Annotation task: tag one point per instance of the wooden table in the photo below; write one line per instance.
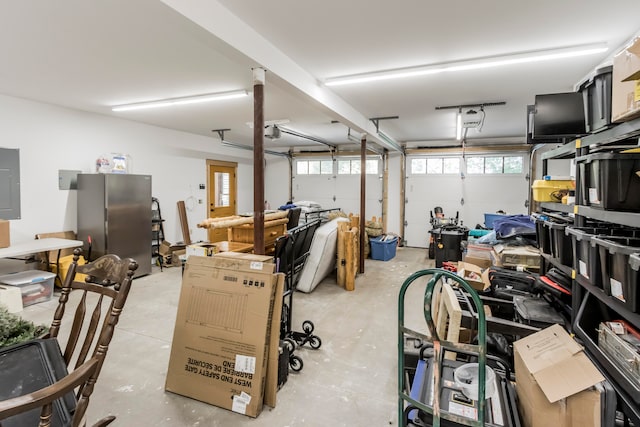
(226, 246)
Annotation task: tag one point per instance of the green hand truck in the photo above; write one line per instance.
(439, 346)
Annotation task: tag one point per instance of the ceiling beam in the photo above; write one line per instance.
(217, 20)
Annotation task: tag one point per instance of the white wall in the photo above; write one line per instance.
(51, 138)
(276, 178)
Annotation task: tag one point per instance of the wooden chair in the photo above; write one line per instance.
(71, 362)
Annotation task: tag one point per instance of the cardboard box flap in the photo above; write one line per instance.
(568, 377)
(546, 348)
(557, 363)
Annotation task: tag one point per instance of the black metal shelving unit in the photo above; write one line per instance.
(555, 263)
(590, 304)
(157, 229)
(556, 207)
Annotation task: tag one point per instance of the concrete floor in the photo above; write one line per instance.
(349, 381)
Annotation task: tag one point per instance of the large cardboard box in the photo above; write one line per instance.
(221, 339)
(625, 91)
(554, 381)
(5, 241)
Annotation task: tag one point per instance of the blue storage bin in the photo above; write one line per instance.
(383, 251)
(490, 218)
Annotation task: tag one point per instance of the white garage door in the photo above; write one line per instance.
(468, 187)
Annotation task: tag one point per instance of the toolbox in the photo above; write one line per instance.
(621, 343)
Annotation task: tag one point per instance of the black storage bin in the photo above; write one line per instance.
(560, 242)
(543, 235)
(596, 93)
(634, 276)
(448, 243)
(617, 272)
(610, 181)
(585, 257)
(586, 260)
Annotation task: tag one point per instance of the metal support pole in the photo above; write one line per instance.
(258, 161)
(363, 186)
(403, 196)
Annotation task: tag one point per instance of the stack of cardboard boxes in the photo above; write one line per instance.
(225, 343)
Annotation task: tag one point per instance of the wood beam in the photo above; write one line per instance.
(258, 161)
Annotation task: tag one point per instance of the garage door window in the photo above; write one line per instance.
(495, 165)
(352, 167)
(435, 165)
(314, 167)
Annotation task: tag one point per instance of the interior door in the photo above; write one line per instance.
(221, 197)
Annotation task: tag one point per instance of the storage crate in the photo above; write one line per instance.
(35, 285)
(551, 190)
(543, 235)
(618, 277)
(383, 250)
(585, 256)
(596, 93)
(610, 181)
(560, 242)
(634, 264)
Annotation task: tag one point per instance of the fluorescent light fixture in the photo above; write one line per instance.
(471, 64)
(195, 99)
(459, 125)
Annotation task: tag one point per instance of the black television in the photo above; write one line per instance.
(558, 115)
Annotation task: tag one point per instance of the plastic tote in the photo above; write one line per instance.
(383, 250)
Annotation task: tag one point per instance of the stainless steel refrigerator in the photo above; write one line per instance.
(114, 212)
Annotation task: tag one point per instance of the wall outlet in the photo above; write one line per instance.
(201, 186)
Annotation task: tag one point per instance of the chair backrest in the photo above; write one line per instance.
(301, 237)
(294, 217)
(106, 288)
